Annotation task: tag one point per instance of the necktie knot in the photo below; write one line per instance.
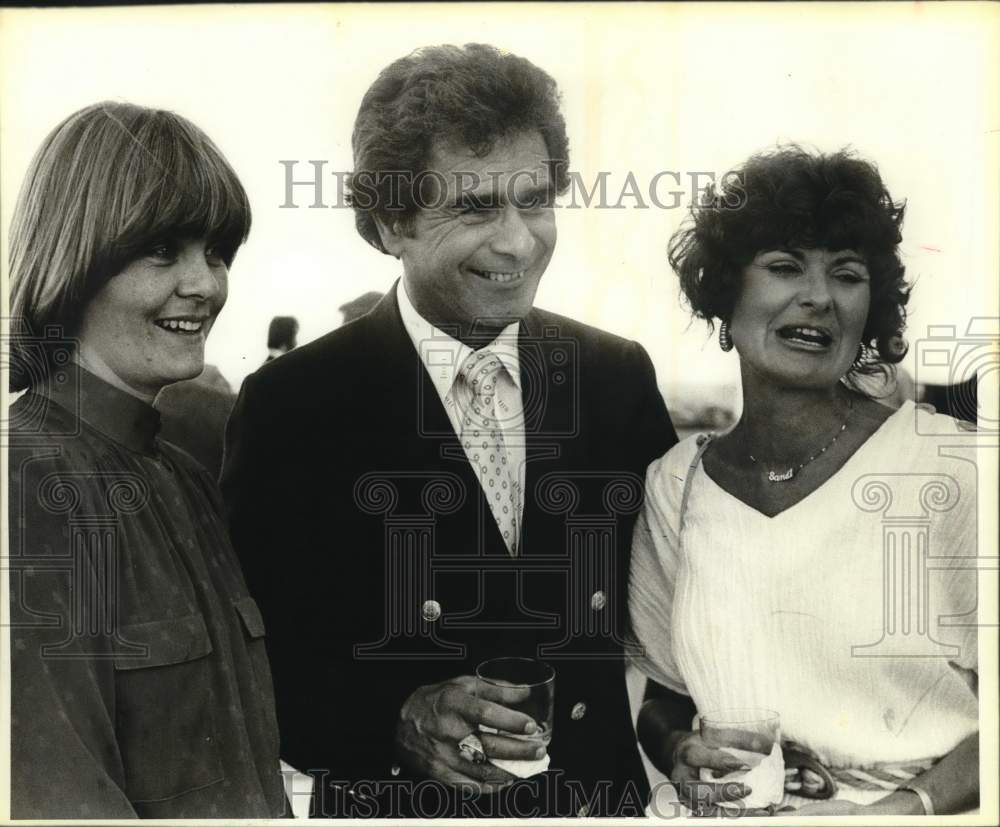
(482, 373)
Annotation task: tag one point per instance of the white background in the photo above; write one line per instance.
(696, 88)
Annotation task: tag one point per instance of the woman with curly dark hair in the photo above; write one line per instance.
(763, 571)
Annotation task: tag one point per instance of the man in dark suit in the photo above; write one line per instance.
(452, 477)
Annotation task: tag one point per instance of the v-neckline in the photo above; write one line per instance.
(879, 431)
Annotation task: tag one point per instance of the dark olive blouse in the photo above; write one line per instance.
(140, 684)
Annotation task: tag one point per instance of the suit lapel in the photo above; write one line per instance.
(549, 385)
(426, 439)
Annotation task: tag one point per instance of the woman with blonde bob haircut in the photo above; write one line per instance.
(140, 684)
(108, 182)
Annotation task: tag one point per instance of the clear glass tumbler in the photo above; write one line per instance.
(535, 676)
(754, 737)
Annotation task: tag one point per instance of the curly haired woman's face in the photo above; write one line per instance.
(800, 315)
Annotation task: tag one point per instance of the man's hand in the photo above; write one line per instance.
(435, 718)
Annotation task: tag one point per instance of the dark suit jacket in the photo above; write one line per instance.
(368, 544)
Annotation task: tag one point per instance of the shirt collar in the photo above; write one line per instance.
(443, 356)
(115, 413)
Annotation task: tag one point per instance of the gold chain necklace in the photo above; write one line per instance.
(788, 474)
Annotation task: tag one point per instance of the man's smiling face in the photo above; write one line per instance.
(477, 251)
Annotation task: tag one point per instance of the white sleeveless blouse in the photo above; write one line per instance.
(845, 613)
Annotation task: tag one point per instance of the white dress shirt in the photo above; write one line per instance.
(443, 356)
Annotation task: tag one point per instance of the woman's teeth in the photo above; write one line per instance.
(176, 325)
(502, 278)
(806, 335)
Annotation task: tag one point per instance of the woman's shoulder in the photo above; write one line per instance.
(679, 455)
(669, 472)
(919, 448)
(53, 461)
(34, 418)
(916, 432)
(929, 421)
(46, 437)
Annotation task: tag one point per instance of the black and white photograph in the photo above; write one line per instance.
(500, 411)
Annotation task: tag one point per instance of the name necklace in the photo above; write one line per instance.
(789, 473)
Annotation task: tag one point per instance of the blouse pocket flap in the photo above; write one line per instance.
(253, 620)
(161, 642)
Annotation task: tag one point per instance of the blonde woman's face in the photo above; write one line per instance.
(147, 327)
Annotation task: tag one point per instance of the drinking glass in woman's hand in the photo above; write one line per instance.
(753, 738)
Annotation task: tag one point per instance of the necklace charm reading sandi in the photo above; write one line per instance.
(789, 473)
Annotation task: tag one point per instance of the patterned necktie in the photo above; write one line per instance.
(482, 439)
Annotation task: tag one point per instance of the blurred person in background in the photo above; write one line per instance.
(756, 570)
(194, 413)
(282, 336)
(960, 399)
(356, 308)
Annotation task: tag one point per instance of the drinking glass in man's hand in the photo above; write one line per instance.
(535, 682)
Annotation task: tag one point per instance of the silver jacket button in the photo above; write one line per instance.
(394, 770)
(598, 601)
(578, 711)
(583, 812)
(431, 610)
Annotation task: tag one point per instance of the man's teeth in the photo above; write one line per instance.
(179, 324)
(501, 277)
